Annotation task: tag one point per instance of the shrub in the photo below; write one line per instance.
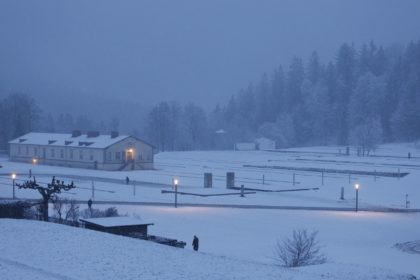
(111, 212)
(14, 209)
(300, 250)
(96, 213)
(71, 212)
(65, 210)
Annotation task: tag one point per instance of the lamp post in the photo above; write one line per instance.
(14, 180)
(176, 191)
(356, 186)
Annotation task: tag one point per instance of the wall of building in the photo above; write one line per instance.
(82, 157)
(111, 158)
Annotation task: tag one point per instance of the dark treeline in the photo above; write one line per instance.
(21, 114)
(363, 97)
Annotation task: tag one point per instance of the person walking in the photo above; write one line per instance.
(195, 243)
(90, 206)
(127, 180)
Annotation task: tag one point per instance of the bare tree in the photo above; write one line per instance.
(300, 250)
(48, 192)
(58, 204)
(72, 211)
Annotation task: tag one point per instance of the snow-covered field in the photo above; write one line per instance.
(244, 238)
(189, 167)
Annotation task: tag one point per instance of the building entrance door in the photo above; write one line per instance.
(129, 155)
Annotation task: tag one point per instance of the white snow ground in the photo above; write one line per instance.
(350, 240)
(38, 250)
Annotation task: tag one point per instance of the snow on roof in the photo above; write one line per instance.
(66, 140)
(115, 221)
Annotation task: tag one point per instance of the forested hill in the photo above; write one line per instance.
(366, 95)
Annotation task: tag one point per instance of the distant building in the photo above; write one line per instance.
(245, 146)
(264, 143)
(91, 150)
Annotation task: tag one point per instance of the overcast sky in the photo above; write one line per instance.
(191, 50)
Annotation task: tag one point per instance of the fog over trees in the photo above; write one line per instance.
(366, 95)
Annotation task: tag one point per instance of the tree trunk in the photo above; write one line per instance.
(45, 209)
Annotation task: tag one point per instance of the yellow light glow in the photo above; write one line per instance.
(34, 161)
(130, 150)
(356, 186)
(13, 176)
(176, 181)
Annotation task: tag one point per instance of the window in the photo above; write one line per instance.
(18, 150)
(35, 151)
(71, 154)
(90, 155)
(27, 150)
(117, 156)
(61, 153)
(81, 154)
(140, 157)
(109, 156)
(52, 152)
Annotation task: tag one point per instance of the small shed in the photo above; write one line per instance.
(117, 225)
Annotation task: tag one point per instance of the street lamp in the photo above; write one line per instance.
(13, 179)
(356, 186)
(176, 181)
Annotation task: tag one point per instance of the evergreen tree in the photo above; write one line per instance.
(314, 69)
(294, 82)
(406, 119)
(277, 92)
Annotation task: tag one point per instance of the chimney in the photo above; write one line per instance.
(76, 133)
(114, 134)
(92, 134)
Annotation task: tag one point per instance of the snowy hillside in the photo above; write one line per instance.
(242, 230)
(38, 250)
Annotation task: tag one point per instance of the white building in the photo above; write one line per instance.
(245, 146)
(262, 143)
(91, 150)
(265, 144)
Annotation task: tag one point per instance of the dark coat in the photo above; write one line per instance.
(195, 243)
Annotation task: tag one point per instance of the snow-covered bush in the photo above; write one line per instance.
(300, 250)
